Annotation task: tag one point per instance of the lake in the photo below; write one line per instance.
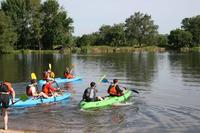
(168, 82)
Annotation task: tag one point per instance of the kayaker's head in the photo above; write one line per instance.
(49, 79)
(115, 81)
(34, 81)
(92, 84)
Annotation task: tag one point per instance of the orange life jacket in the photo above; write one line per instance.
(113, 91)
(68, 75)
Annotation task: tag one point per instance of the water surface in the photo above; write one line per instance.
(169, 86)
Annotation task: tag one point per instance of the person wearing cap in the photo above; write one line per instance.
(90, 93)
(32, 90)
(6, 90)
(114, 89)
(48, 89)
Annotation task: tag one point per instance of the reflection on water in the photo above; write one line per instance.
(168, 100)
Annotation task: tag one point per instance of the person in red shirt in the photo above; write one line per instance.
(48, 89)
(6, 90)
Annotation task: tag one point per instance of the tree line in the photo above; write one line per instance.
(139, 30)
(33, 24)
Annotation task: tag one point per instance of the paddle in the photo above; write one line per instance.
(106, 81)
(22, 97)
(52, 73)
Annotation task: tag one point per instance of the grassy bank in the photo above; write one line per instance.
(92, 49)
(107, 49)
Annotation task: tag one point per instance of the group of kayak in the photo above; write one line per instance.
(49, 93)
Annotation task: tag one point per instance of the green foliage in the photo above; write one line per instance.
(56, 25)
(113, 35)
(140, 28)
(179, 38)
(192, 25)
(39, 25)
(7, 34)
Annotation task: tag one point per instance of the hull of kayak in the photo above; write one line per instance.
(33, 102)
(60, 80)
(108, 101)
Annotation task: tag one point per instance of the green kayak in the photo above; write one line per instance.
(108, 101)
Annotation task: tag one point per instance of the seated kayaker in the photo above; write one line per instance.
(32, 90)
(48, 74)
(48, 89)
(68, 73)
(114, 89)
(90, 93)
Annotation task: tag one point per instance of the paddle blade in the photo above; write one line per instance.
(100, 80)
(33, 76)
(104, 80)
(49, 66)
(23, 97)
(133, 90)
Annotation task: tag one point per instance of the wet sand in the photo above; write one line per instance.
(15, 131)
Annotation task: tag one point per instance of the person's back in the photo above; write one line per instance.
(90, 93)
(114, 89)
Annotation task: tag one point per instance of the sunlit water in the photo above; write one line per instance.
(169, 99)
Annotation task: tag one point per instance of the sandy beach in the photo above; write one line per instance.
(15, 131)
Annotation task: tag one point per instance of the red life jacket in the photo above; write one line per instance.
(113, 91)
(29, 91)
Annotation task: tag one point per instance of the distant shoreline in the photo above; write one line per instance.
(102, 49)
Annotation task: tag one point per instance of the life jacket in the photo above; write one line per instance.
(28, 90)
(113, 91)
(46, 88)
(68, 75)
(6, 87)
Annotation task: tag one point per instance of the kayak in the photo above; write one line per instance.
(33, 102)
(108, 101)
(60, 80)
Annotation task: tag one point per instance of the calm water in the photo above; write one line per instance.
(169, 99)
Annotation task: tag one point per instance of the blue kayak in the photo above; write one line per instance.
(33, 102)
(60, 80)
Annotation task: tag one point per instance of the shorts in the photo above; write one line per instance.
(4, 100)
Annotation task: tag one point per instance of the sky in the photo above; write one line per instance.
(90, 15)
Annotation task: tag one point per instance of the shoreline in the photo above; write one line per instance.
(16, 131)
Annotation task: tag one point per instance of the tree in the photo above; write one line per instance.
(24, 15)
(140, 28)
(7, 34)
(56, 25)
(179, 38)
(192, 25)
(113, 35)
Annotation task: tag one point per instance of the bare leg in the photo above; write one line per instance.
(5, 118)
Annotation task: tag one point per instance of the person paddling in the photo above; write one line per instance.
(114, 89)
(68, 73)
(48, 74)
(90, 93)
(6, 90)
(32, 90)
(48, 89)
